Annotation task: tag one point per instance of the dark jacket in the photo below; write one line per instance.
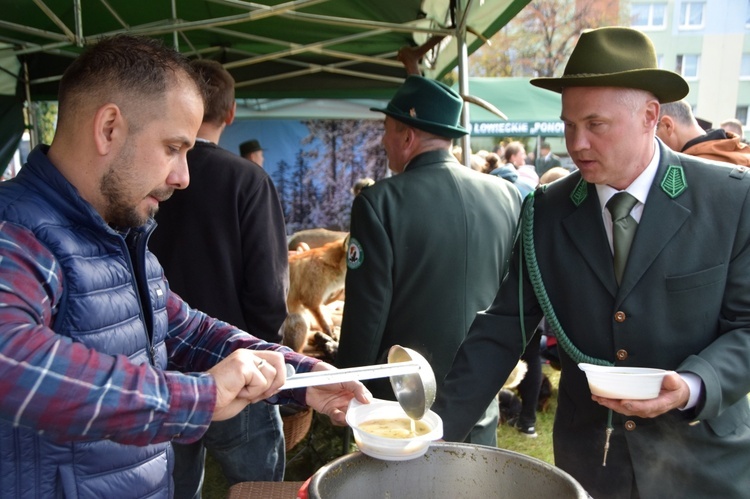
(228, 257)
(434, 241)
(683, 305)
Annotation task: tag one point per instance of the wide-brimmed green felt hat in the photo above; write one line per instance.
(427, 105)
(617, 57)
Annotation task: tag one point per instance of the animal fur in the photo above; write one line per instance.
(316, 278)
(516, 375)
(314, 238)
(510, 402)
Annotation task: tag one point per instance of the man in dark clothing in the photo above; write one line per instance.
(222, 243)
(677, 303)
(428, 246)
(546, 159)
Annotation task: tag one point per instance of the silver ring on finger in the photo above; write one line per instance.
(260, 364)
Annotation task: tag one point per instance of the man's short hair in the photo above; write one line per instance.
(733, 125)
(131, 71)
(679, 111)
(218, 88)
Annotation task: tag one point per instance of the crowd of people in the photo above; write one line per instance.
(128, 349)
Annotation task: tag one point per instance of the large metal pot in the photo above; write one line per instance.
(447, 470)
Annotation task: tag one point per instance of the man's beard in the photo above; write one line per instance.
(114, 188)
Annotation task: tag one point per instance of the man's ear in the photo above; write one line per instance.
(109, 127)
(668, 123)
(231, 114)
(652, 114)
(411, 138)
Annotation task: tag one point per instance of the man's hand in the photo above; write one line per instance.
(674, 394)
(333, 400)
(244, 377)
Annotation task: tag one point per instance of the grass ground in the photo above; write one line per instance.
(325, 443)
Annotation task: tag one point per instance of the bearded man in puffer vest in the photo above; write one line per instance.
(101, 365)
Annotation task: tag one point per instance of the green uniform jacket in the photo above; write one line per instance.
(684, 305)
(433, 244)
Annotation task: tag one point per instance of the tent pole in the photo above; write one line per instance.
(78, 10)
(463, 79)
(30, 114)
(175, 39)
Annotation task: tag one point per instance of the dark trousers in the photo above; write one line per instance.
(248, 447)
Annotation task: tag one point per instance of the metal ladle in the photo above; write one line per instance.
(415, 392)
(411, 377)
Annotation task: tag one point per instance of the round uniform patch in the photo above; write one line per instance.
(355, 255)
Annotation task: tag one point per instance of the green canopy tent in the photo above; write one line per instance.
(273, 48)
(531, 111)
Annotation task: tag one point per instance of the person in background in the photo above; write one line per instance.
(102, 365)
(222, 243)
(251, 151)
(680, 131)
(554, 173)
(735, 126)
(427, 246)
(546, 159)
(515, 154)
(491, 162)
(530, 158)
(676, 303)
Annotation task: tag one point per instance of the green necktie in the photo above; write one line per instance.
(623, 229)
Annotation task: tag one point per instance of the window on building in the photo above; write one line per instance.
(691, 14)
(648, 15)
(687, 65)
(741, 114)
(745, 67)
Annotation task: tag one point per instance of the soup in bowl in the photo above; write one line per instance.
(382, 430)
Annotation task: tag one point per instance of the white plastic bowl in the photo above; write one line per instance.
(390, 449)
(627, 383)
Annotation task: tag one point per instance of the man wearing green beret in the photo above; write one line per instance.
(427, 246)
(660, 281)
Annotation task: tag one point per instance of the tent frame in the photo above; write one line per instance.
(68, 41)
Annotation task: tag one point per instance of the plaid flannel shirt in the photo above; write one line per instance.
(67, 391)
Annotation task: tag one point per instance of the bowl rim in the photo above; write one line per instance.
(622, 370)
(434, 434)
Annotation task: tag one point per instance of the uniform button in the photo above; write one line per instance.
(620, 316)
(630, 425)
(622, 354)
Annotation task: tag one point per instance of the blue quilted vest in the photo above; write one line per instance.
(101, 308)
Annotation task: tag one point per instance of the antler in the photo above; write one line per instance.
(410, 56)
(483, 103)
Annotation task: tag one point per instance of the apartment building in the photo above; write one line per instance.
(706, 42)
